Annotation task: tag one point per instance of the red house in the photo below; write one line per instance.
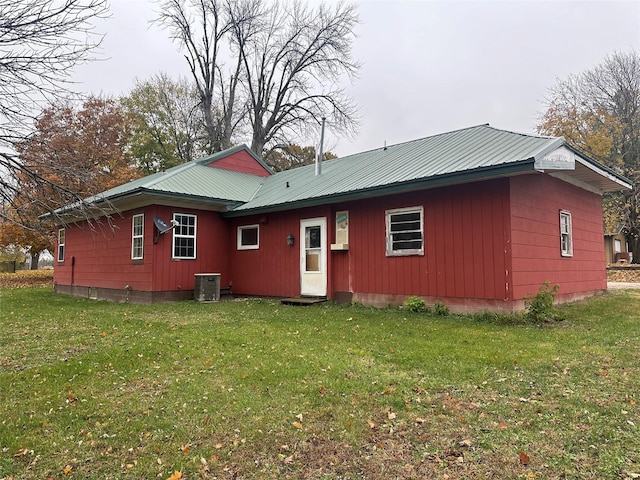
(476, 218)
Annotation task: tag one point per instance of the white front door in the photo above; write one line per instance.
(313, 257)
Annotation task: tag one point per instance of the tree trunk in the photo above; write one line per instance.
(35, 258)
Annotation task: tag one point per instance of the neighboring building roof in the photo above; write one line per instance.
(454, 157)
(474, 153)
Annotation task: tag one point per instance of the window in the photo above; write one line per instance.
(137, 236)
(248, 237)
(566, 235)
(617, 245)
(184, 236)
(405, 231)
(61, 240)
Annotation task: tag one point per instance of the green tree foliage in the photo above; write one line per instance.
(167, 123)
(599, 112)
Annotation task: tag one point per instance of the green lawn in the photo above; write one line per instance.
(253, 389)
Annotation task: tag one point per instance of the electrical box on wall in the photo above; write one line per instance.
(342, 231)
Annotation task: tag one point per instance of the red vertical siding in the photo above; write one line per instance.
(103, 257)
(273, 269)
(241, 161)
(212, 245)
(465, 232)
(536, 201)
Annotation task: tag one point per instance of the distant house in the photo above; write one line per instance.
(616, 248)
(476, 218)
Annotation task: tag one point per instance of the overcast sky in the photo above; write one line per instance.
(427, 66)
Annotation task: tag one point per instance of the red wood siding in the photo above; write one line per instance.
(241, 161)
(536, 201)
(465, 229)
(273, 269)
(211, 252)
(103, 258)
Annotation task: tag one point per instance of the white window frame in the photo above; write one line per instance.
(251, 246)
(137, 239)
(566, 234)
(177, 234)
(403, 252)
(62, 234)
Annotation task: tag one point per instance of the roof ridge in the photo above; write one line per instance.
(441, 134)
(532, 135)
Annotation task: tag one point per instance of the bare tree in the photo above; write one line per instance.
(293, 63)
(201, 28)
(285, 62)
(599, 111)
(41, 41)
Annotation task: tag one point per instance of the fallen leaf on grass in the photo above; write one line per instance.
(185, 449)
(177, 475)
(524, 458)
(67, 469)
(371, 424)
(297, 424)
(21, 452)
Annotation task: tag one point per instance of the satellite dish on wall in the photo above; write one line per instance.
(162, 226)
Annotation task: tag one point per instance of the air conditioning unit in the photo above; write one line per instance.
(207, 287)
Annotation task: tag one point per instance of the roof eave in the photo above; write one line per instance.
(603, 170)
(107, 205)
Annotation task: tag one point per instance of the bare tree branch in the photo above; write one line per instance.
(41, 41)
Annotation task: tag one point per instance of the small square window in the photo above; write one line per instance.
(249, 237)
(566, 234)
(184, 236)
(405, 231)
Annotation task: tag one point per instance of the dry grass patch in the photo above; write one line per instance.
(26, 278)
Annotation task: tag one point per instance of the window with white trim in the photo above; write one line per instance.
(566, 234)
(249, 237)
(137, 236)
(184, 236)
(405, 231)
(61, 240)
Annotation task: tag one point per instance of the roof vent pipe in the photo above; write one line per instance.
(319, 155)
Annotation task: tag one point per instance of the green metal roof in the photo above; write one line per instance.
(195, 180)
(465, 155)
(461, 155)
